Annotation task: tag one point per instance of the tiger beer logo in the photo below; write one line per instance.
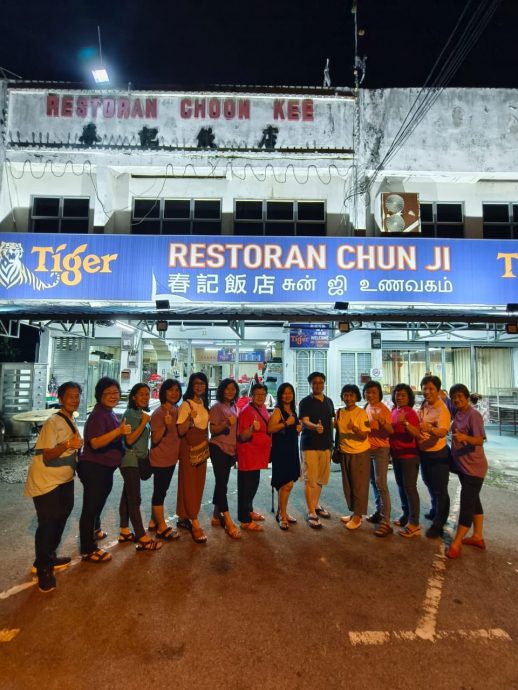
(66, 267)
(13, 272)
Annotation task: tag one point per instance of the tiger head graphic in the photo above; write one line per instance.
(13, 272)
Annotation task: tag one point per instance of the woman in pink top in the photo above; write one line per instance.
(254, 444)
(405, 458)
(165, 448)
(381, 431)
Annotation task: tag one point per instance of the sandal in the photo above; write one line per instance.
(283, 524)
(97, 556)
(152, 527)
(169, 534)
(383, 530)
(323, 513)
(292, 520)
(199, 535)
(401, 521)
(256, 517)
(100, 534)
(252, 527)
(314, 522)
(125, 538)
(217, 521)
(409, 532)
(233, 532)
(354, 522)
(150, 545)
(469, 541)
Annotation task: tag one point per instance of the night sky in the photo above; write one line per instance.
(190, 43)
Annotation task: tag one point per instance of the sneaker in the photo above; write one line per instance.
(402, 520)
(184, 523)
(46, 580)
(59, 563)
(375, 518)
(434, 532)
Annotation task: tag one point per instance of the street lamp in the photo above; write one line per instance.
(100, 73)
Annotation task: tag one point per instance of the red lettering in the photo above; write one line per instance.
(95, 104)
(214, 108)
(244, 109)
(67, 103)
(199, 107)
(229, 108)
(293, 110)
(81, 106)
(108, 107)
(278, 112)
(53, 106)
(308, 110)
(123, 108)
(151, 108)
(136, 110)
(185, 108)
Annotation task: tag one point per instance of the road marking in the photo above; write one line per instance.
(8, 635)
(426, 628)
(16, 589)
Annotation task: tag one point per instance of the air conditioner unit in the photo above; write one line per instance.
(400, 212)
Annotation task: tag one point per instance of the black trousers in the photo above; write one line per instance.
(470, 504)
(221, 464)
(162, 477)
(97, 483)
(247, 485)
(129, 506)
(435, 470)
(53, 510)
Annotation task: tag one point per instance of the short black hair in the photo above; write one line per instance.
(315, 375)
(409, 392)
(221, 390)
(460, 388)
(104, 383)
(258, 386)
(169, 383)
(434, 380)
(373, 384)
(351, 388)
(65, 386)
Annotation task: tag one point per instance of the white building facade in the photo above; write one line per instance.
(299, 170)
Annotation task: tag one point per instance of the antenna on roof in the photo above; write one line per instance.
(7, 74)
(327, 76)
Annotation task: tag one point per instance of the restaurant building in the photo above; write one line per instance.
(266, 231)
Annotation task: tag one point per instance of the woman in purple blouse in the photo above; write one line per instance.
(469, 461)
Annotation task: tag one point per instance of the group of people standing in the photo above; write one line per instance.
(184, 430)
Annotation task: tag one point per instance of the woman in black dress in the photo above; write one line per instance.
(284, 426)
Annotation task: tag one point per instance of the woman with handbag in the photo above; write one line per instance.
(136, 450)
(253, 454)
(352, 424)
(192, 424)
(163, 456)
(285, 427)
(223, 440)
(50, 483)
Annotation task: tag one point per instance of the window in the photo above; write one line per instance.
(500, 221)
(280, 218)
(355, 367)
(60, 214)
(440, 219)
(176, 217)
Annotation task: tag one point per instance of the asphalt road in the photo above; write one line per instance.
(301, 609)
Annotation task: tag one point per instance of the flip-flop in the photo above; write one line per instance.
(323, 513)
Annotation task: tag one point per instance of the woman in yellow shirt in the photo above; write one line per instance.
(352, 424)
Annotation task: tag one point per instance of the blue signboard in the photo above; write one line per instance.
(229, 269)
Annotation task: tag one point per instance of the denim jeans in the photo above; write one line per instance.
(378, 475)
